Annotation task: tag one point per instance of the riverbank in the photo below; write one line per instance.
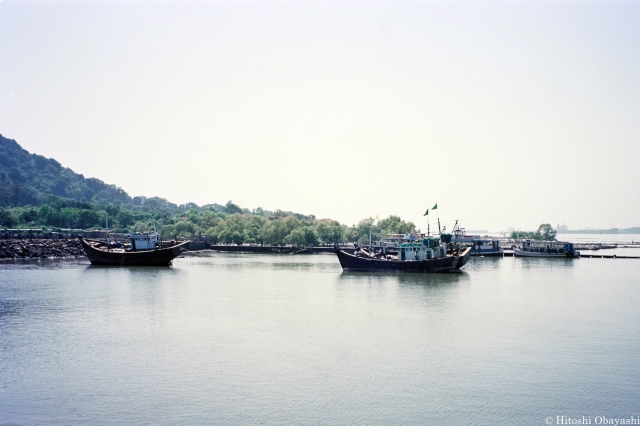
(43, 248)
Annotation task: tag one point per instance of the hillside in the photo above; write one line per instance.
(38, 192)
(27, 179)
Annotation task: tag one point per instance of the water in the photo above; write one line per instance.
(282, 339)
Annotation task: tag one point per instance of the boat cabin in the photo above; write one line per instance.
(420, 251)
(548, 246)
(392, 240)
(144, 241)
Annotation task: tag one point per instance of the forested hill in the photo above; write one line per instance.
(37, 192)
(27, 179)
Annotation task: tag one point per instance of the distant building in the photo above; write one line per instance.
(562, 228)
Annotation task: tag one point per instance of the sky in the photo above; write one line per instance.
(505, 114)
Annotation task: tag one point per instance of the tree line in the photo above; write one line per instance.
(545, 232)
(228, 224)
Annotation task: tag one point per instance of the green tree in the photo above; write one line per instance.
(185, 229)
(329, 231)
(231, 208)
(275, 232)
(302, 236)
(362, 231)
(125, 217)
(88, 219)
(546, 232)
(7, 219)
(231, 230)
(208, 219)
(252, 229)
(395, 225)
(522, 235)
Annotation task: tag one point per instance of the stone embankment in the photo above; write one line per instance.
(29, 249)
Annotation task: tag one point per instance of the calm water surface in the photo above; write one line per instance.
(245, 339)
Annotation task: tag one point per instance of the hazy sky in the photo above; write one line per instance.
(507, 114)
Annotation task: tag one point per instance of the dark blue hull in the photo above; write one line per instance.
(349, 262)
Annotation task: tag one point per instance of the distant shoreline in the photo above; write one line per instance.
(602, 231)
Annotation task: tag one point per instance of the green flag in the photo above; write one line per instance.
(427, 213)
(434, 207)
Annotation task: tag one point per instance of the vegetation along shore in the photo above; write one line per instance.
(38, 192)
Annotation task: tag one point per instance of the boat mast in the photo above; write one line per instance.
(106, 221)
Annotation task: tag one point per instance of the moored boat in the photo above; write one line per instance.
(420, 256)
(553, 249)
(145, 251)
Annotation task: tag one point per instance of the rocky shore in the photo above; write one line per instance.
(28, 249)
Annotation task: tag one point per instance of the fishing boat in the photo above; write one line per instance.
(145, 251)
(425, 255)
(557, 249)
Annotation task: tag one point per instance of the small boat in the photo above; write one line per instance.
(145, 251)
(558, 249)
(426, 255)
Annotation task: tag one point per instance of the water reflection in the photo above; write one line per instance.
(537, 263)
(407, 279)
(243, 262)
(481, 262)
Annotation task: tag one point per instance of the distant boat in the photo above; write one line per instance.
(484, 247)
(557, 249)
(145, 251)
(421, 256)
(479, 246)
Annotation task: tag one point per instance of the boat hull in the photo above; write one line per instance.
(349, 262)
(523, 253)
(158, 257)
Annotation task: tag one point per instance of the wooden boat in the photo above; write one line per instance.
(410, 259)
(100, 253)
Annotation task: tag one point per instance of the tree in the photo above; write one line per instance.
(88, 219)
(252, 227)
(124, 217)
(208, 219)
(522, 235)
(395, 225)
(362, 231)
(546, 232)
(231, 230)
(275, 231)
(303, 236)
(184, 229)
(6, 219)
(329, 231)
(231, 208)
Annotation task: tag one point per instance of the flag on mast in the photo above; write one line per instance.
(427, 213)
(435, 207)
